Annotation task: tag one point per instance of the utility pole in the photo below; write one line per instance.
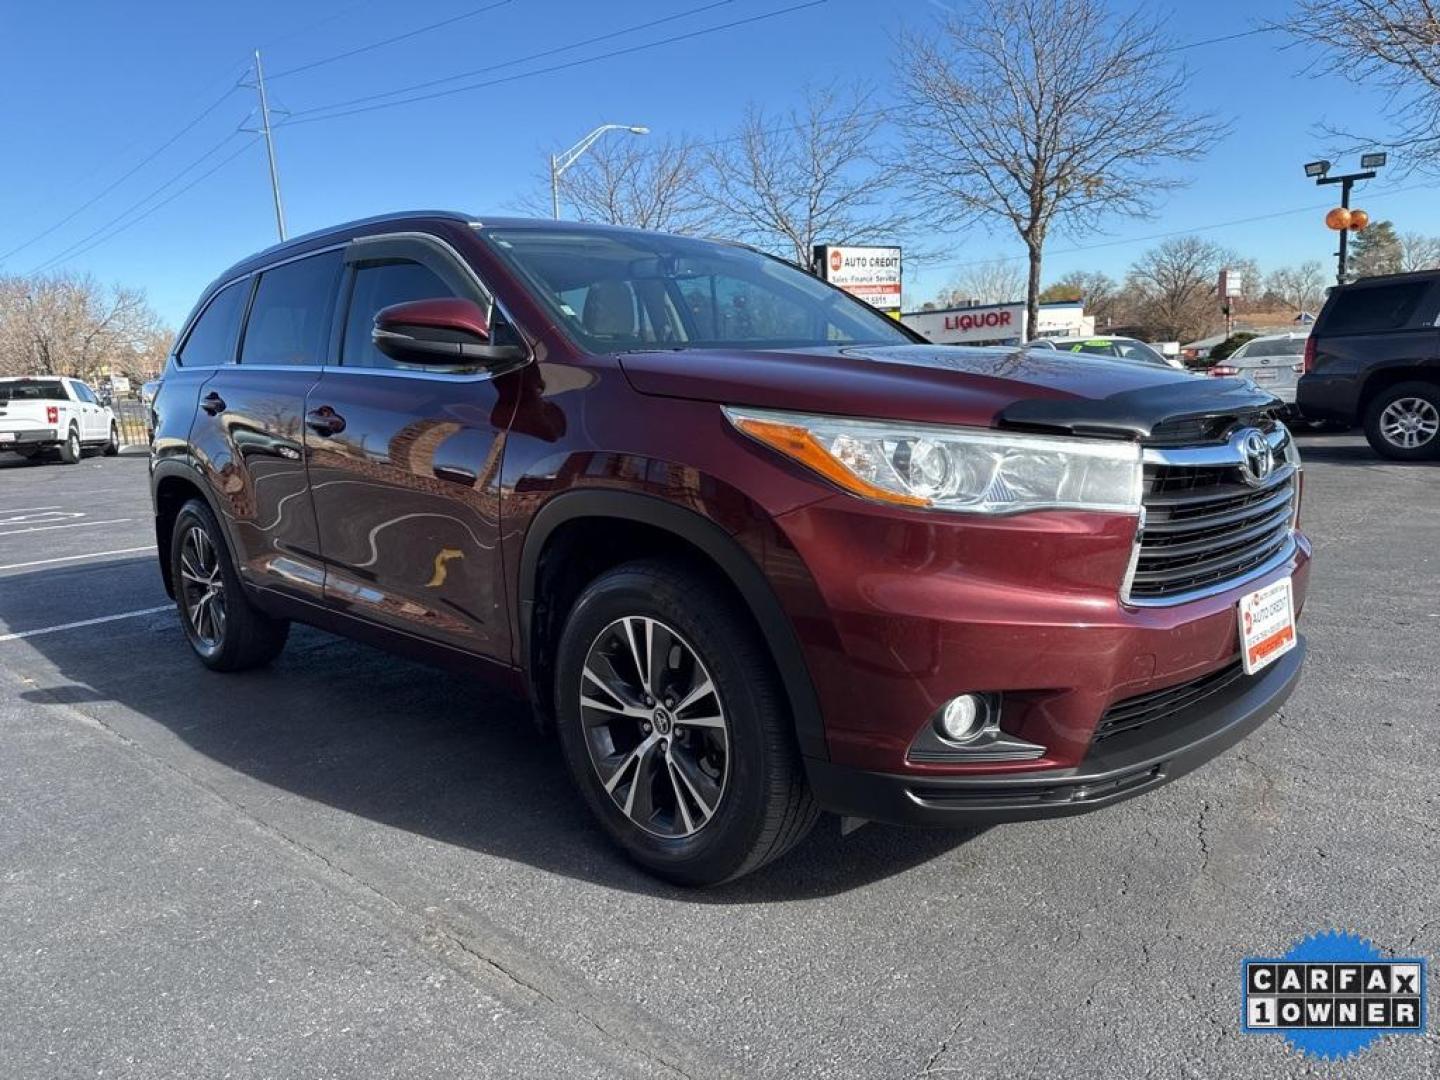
(269, 146)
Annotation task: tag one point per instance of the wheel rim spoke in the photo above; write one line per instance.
(665, 770)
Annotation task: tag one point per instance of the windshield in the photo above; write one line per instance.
(32, 390)
(615, 292)
(1125, 348)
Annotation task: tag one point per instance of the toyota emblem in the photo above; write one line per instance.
(1257, 459)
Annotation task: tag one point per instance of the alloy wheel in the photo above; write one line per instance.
(1409, 422)
(655, 727)
(202, 588)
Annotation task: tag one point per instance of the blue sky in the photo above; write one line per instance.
(101, 88)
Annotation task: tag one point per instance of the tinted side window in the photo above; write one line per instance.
(1383, 307)
(84, 393)
(378, 285)
(212, 339)
(290, 317)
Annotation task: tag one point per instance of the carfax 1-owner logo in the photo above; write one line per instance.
(1333, 995)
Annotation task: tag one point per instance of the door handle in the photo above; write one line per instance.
(212, 403)
(325, 421)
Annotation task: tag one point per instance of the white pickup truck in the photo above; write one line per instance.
(40, 413)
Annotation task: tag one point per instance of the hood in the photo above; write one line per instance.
(1023, 388)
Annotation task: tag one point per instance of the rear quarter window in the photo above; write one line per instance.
(211, 341)
(1378, 307)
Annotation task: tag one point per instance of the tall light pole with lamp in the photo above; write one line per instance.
(560, 162)
(1342, 219)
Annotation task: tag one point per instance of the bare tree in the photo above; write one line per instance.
(69, 324)
(1173, 288)
(998, 281)
(1098, 290)
(644, 183)
(1419, 252)
(1041, 114)
(1301, 287)
(808, 176)
(1390, 45)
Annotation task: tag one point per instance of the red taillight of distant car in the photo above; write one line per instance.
(1309, 364)
(1220, 371)
(52, 414)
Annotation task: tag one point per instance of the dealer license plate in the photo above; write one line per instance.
(1267, 625)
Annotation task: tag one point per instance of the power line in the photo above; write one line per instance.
(1169, 233)
(162, 203)
(511, 63)
(390, 40)
(556, 67)
(172, 197)
(74, 248)
(116, 183)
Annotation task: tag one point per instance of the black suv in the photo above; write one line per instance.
(1373, 358)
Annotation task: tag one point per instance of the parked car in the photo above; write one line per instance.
(753, 549)
(1373, 358)
(40, 413)
(1123, 347)
(1272, 362)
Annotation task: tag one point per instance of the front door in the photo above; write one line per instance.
(405, 465)
(249, 431)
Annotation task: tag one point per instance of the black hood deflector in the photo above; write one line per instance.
(1138, 413)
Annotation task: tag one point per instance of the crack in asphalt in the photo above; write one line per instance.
(632, 1033)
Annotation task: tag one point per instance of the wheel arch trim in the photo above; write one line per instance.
(723, 551)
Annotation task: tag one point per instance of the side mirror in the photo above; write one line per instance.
(447, 331)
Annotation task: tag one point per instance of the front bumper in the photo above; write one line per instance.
(1124, 768)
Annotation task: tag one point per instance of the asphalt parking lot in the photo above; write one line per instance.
(349, 865)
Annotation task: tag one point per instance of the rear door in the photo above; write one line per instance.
(406, 478)
(93, 427)
(249, 433)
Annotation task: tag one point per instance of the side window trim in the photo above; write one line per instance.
(328, 355)
(436, 255)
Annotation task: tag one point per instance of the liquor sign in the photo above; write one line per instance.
(870, 273)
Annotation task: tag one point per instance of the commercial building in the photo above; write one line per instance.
(999, 324)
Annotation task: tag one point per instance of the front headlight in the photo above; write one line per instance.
(961, 469)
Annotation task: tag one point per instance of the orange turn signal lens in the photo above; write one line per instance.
(800, 445)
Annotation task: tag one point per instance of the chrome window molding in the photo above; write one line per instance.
(439, 376)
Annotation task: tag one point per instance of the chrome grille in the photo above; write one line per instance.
(1206, 528)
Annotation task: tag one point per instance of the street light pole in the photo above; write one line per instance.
(560, 162)
(1346, 183)
(1319, 170)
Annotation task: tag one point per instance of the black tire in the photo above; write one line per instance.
(764, 806)
(1389, 415)
(70, 449)
(112, 445)
(240, 636)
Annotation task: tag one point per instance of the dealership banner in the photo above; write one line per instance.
(870, 273)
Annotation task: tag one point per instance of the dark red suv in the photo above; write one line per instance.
(752, 548)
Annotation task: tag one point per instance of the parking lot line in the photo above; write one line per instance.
(72, 525)
(27, 509)
(76, 558)
(85, 622)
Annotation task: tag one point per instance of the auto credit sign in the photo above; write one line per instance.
(870, 273)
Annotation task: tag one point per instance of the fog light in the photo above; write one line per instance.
(963, 720)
